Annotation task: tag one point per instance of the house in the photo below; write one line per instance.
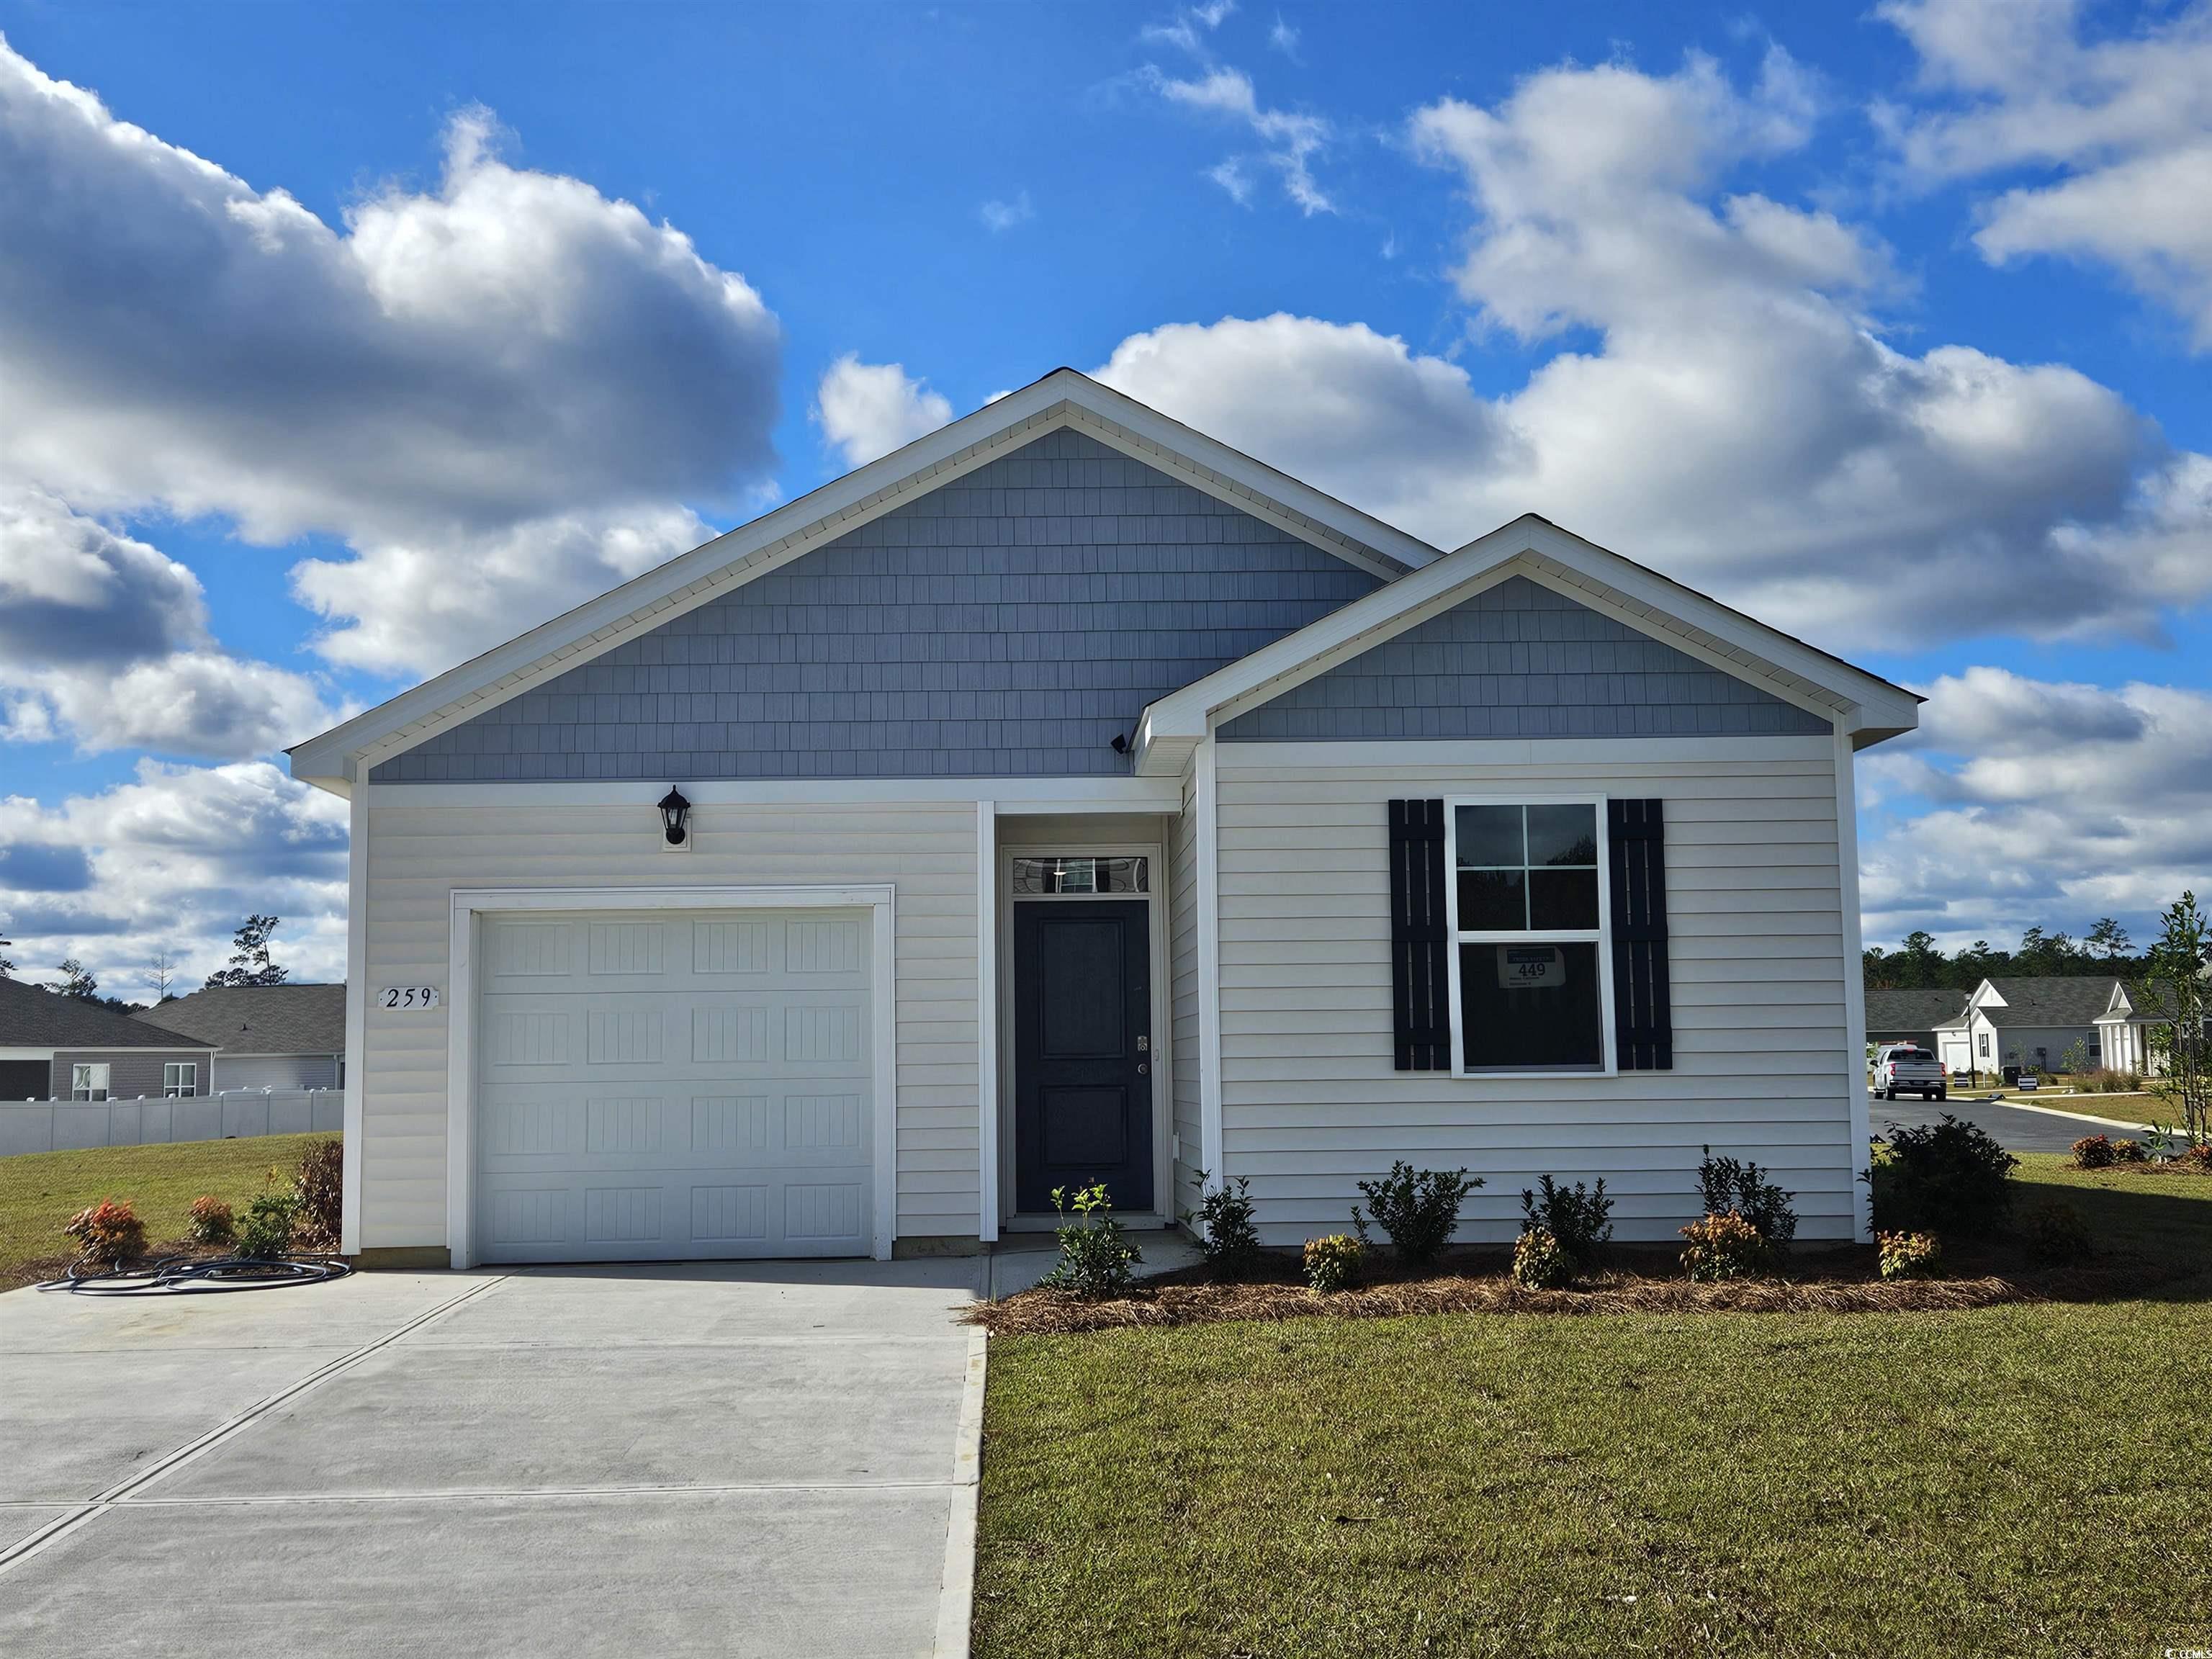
(61, 1048)
(1068, 797)
(266, 1036)
(2035, 1023)
(1911, 1013)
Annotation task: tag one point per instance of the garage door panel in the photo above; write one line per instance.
(683, 1085)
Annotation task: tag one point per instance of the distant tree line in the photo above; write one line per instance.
(1919, 962)
(251, 964)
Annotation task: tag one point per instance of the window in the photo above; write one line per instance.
(180, 1079)
(1081, 875)
(1528, 933)
(1985, 1045)
(89, 1082)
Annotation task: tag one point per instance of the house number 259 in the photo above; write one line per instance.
(408, 996)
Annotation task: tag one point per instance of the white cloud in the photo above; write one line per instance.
(868, 409)
(999, 217)
(1284, 38)
(1738, 421)
(2119, 128)
(172, 859)
(2037, 804)
(103, 642)
(506, 348)
(1291, 139)
(1187, 29)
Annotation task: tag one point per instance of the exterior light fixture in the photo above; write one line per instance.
(674, 810)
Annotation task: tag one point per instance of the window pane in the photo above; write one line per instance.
(1562, 898)
(1489, 834)
(1082, 875)
(1563, 835)
(1527, 1006)
(1492, 900)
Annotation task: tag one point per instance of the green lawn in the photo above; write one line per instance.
(2020, 1480)
(40, 1191)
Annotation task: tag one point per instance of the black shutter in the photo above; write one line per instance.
(1644, 1016)
(1420, 978)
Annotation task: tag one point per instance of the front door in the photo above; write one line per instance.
(1082, 1059)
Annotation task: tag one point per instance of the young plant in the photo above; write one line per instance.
(1539, 1263)
(108, 1233)
(320, 1185)
(1727, 1185)
(1333, 1263)
(211, 1221)
(2129, 1151)
(1095, 1251)
(2055, 1235)
(1225, 1232)
(1580, 1220)
(1949, 1176)
(2093, 1152)
(1725, 1246)
(1419, 1209)
(266, 1231)
(1910, 1256)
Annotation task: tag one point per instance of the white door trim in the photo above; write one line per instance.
(470, 903)
(1158, 920)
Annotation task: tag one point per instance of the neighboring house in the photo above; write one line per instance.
(1911, 1013)
(1071, 798)
(2034, 1022)
(267, 1036)
(60, 1048)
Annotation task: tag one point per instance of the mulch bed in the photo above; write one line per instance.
(1830, 1281)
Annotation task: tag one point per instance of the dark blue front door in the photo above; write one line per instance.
(1083, 1060)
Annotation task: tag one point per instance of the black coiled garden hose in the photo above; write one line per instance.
(181, 1275)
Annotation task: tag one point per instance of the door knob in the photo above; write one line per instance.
(1143, 1069)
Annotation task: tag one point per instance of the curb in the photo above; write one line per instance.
(956, 1597)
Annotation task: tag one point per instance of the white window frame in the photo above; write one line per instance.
(96, 1076)
(1601, 936)
(180, 1079)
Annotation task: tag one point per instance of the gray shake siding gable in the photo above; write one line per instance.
(1011, 622)
(1520, 660)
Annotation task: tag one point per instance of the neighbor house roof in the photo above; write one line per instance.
(1913, 1007)
(259, 1020)
(1063, 398)
(2056, 1000)
(32, 1017)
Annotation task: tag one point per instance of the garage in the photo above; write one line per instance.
(665, 1085)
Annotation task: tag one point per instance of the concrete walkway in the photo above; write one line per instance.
(741, 1459)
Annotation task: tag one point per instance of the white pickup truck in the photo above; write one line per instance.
(1907, 1068)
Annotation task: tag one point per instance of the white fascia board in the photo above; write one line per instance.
(1533, 547)
(1063, 398)
(7, 1053)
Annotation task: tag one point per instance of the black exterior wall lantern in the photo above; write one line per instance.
(674, 810)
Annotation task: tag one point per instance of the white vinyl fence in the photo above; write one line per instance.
(53, 1125)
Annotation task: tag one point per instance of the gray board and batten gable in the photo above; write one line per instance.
(1521, 660)
(1011, 622)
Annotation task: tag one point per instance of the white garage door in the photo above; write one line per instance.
(661, 1084)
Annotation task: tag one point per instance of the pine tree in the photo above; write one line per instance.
(250, 962)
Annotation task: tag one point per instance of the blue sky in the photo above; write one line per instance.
(1890, 326)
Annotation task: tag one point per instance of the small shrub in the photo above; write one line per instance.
(211, 1221)
(266, 1231)
(1949, 1177)
(1225, 1232)
(1333, 1263)
(1727, 1185)
(320, 1185)
(2106, 1081)
(1725, 1246)
(1417, 1208)
(2093, 1152)
(108, 1233)
(1910, 1256)
(2198, 1155)
(2129, 1151)
(1095, 1252)
(1580, 1221)
(1541, 1263)
(2055, 1234)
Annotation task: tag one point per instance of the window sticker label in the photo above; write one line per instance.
(1531, 966)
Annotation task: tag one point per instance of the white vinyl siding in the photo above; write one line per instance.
(419, 851)
(277, 1071)
(1311, 1102)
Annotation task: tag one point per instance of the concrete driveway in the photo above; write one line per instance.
(742, 1459)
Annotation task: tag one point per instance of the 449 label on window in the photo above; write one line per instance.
(1527, 966)
(406, 998)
